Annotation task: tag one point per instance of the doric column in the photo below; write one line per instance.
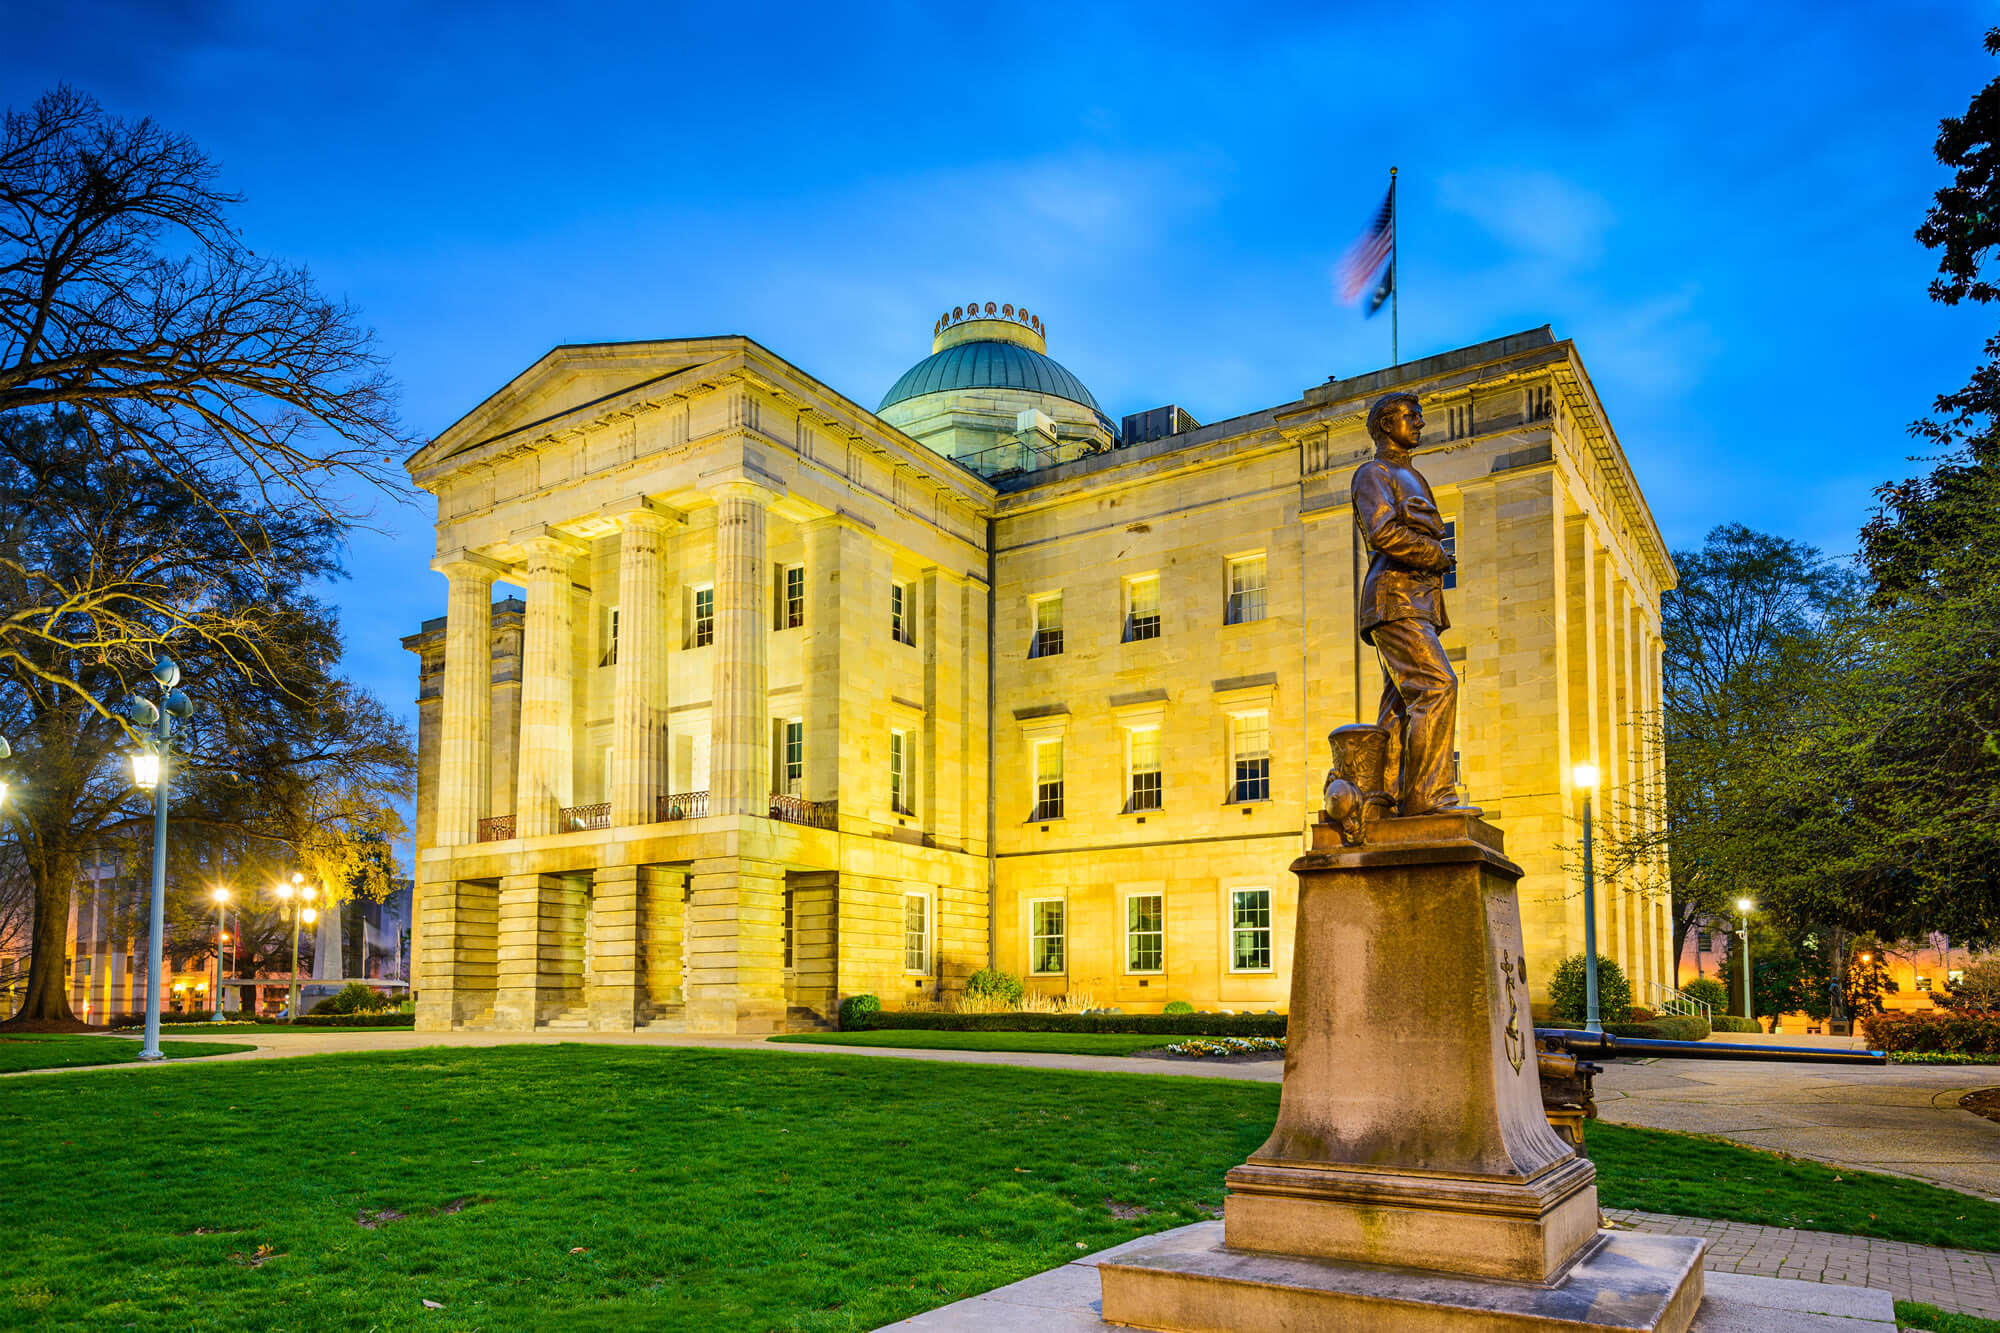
(739, 749)
(547, 754)
(639, 694)
(466, 725)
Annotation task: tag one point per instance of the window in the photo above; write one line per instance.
(899, 773)
(704, 618)
(792, 597)
(1145, 933)
(1045, 936)
(1541, 403)
(916, 933)
(609, 657)
(1459, 422)
(1048, 639)
(788, 928)
(1702, 942)
(1923, 982)
(1142, 609)
(1250, 930)
(902, 613)
(1250, 744)
(792, 756)
(1246, 590)
(1048, 780)
(1955, 977)
(1451, 549)
(1143, 790)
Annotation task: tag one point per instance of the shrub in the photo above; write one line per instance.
(1667, 1027)
(1639, 1013)
(355, 998)
(993, 984)
(1709, 991)
(1979, 988)
(1734, 1023)
(1187, 1025)
(1177, 1007)
(1567, 987)
(857, 1010)
(1953, 1031)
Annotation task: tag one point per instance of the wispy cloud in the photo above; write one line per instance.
(1537, 214)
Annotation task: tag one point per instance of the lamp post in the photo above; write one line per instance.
(1743, 906)
(149, 773)
(221, 927)
(5, 750)
(1585, 777)
(299, 889)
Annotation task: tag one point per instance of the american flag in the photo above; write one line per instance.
(1366, 256)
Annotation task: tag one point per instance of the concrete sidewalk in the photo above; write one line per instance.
(1902, 1120)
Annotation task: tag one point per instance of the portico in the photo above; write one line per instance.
(689, 828)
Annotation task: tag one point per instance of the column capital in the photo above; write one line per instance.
(539, 538)
(740, 488)
(636, 511)
(467, 563)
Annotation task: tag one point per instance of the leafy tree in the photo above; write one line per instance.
(130, 305)
(273, 724)
(1569, 991)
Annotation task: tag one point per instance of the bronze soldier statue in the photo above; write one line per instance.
(1401, 606)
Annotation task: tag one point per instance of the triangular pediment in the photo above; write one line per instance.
(569, 380)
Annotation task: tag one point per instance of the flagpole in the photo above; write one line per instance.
(1395, 288)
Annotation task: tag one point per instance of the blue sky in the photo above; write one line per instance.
(1715, 202)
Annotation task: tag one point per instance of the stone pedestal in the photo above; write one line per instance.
(1410, 1136)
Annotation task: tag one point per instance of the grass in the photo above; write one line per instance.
(1054, 1043)
(612, 1186)
(62, 1050)
(1917, 1315)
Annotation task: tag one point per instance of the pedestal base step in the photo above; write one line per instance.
(1187, 1281)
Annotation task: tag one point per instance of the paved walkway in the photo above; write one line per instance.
(1967, 1281)
(1903, 1120)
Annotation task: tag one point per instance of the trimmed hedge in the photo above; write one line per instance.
(1734, 1023)
(388, 1020)
(1181, 1025)
(1949, 1031)
(1667, 1027)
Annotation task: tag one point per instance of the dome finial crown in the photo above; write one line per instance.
(989, 322)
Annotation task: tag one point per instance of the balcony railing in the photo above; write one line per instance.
(574, 818)
(813, 814)
(497, 829)
(684, 805)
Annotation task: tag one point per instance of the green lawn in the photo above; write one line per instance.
(609, 1186)
(59, 1050)
(1053, 1043)
(1930, 1319)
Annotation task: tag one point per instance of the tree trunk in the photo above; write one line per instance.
(45, 1006)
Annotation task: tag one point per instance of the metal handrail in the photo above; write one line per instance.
(497, 829)
(798, 810)
(572, 818)
(684, 805)
(1665, 999)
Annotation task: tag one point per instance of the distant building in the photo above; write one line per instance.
(805, 700)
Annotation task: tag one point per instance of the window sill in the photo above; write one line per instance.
(1260, 800)
(1253, 972)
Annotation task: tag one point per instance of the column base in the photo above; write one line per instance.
(1514, 1230)
(1184, 1281)
(729, 1016)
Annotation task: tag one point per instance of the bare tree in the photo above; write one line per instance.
(130, 304)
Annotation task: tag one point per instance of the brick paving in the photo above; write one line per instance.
(1967, 1281)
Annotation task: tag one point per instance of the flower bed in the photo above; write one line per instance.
(1212, 1047)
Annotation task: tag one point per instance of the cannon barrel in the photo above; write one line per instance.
(1604, 1046)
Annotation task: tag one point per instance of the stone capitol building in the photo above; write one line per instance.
(785, 699)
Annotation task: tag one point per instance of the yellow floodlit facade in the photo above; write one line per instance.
(786, 700)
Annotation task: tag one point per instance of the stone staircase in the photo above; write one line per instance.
(662, 1018)
(576, 1018)
(798, 1018)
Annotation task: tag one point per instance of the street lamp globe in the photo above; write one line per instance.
(1743, 904)
(1584, 776)
(311, 915)
(221, 894)
(145, 770)
(284, 891)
